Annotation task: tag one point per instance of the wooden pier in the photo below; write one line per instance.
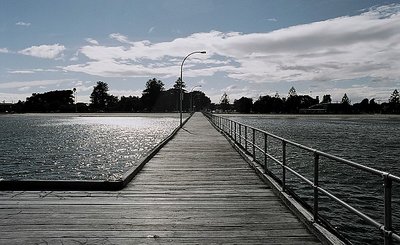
(197, 189)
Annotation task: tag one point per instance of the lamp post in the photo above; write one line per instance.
(191, 96)
(76, 106)
(180, 87)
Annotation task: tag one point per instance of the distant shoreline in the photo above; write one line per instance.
(319, 116)
(106, 114)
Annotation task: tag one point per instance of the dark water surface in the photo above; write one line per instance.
(371, 140)
(60, 146)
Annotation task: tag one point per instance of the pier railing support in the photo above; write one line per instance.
(245, 138)
(387, 183)
(283, 165)
(235, 132)
(254, 144)
(315, 186)
(265, 153)
(240, 134)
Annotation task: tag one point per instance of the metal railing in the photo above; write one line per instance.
(240, 134)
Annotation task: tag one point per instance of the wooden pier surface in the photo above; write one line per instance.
(197, 189)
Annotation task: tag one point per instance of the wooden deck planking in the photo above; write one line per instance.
(197, 189)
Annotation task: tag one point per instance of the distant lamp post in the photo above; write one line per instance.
(191, 96)
(76, 106)
(180, 87)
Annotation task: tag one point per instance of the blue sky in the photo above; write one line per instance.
(253, 47)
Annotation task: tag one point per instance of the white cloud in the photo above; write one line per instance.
(21, 23)
(120, 93)
(24, 89)
(202, 82)
(236, 92)
(272, 19)
(13, 97)
(21, 72)
(344, 48)
(120, 38)
(35, 83)
(151, 29)
(4, 50)
(44, 51)
(92, 41)
(80, 87)
(31, 71)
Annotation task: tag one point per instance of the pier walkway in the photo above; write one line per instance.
(197, 189)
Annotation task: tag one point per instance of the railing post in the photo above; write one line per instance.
(235, 132)
(265, 153)
(387, 183)
(254, 144)
(283, 166)
(240, 134)
(316, 173)
(245, 138)
(226, 126)
(231, 128)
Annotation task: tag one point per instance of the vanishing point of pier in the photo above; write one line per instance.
(196, 189)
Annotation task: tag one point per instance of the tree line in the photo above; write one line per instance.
(295, 103)
(155, 98)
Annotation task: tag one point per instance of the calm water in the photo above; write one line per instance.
(371, 140)
(54, 146)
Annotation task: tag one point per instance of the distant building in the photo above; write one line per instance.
(326, 108)
(6, 107)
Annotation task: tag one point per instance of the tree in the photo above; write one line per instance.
(326, 99)
(112, 103)
(268, 104)
(394, 103)
(374, 107)
(178, 84)
(346, 100)
(394, 97)
(130, 104)
(99, 96)
(53, 101)
(363, 106)
(292, 92)
(152, 92)
(224, 102)
(243, 105)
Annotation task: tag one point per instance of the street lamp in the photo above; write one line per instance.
(76, 106)
(180, 87)
(191, 96)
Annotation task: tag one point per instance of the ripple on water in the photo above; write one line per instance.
(84, 148)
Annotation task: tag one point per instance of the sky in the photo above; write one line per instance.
(254, 47)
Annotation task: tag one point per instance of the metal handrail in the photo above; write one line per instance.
(229, 127)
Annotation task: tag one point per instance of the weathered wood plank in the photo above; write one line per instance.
(145, 233)
(157, 240)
